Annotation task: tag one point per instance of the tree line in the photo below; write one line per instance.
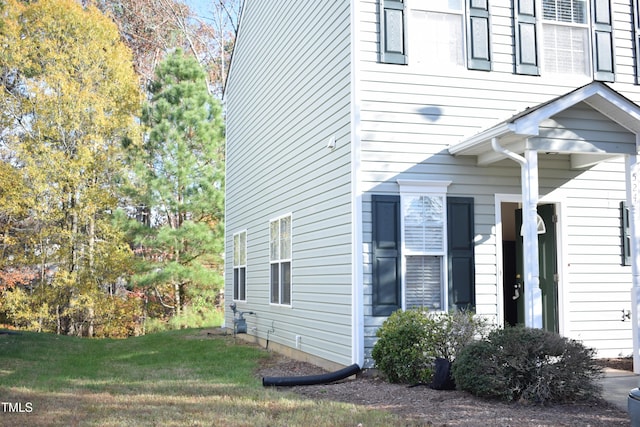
(111, 165)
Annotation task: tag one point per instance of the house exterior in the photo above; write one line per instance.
(446, 154)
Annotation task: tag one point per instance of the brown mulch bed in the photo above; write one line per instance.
(622, 363)
(428, 407)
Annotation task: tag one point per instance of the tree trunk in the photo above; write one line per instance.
(90, 325)
(92, 243)
(178, 302)
(58, 323)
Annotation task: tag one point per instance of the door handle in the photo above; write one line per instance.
(517, 286)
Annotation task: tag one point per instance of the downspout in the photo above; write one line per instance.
(357, 260)
(529, 176)
(328, 378)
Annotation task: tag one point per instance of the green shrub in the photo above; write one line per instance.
(401, 349)
(409, 342)
(534, 365)
(450, 332)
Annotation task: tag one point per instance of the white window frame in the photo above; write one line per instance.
(544, 24)
(280, 259)
(240, 255)
(412, 188)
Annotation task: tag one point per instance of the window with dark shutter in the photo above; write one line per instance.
(392, 32)
(625, 234)
(526, 39)
(460, 253)
(424, 222)
(571, 37)
(386, 255)
(602, 26)
(478, 35)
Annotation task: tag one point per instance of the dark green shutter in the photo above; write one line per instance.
(526, 37)
(625, 234)
(392, 32)
(602, 27)
(461, 268)
(478, 35)
(386, 255)
(636, 38)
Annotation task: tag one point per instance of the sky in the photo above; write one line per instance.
(202, 7)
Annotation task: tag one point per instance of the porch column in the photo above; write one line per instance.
(532, 294)
(529, 177)
(633, 200)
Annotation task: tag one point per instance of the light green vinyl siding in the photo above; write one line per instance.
(288, 94)
(411, 114)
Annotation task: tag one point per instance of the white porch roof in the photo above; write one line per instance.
(523, 131)
(524, 135)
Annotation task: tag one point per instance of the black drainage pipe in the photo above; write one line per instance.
(312, 379)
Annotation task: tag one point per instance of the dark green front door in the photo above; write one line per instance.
(548, 267)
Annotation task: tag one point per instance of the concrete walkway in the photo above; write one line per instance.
(616, 385)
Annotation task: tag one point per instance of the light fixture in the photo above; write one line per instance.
(331, 144)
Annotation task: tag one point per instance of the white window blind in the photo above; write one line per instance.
(423, 282)
(423, 220)
(566, 48)
(565, 10)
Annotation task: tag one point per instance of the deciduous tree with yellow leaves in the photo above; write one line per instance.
(68, 98)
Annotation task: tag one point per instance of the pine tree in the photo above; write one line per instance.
(180, 183)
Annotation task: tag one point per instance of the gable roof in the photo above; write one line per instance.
(235, 43)
(526, 124)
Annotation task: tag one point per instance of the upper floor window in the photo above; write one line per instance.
(280, 260)
(565, 37)
(437, 30)
(552, 37)
(571, 37)
(442, 33)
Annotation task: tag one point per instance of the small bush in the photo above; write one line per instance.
(400, 350)
(410, 341)
(528, 364)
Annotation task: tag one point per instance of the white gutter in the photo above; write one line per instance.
(529, 174)
(495, 132)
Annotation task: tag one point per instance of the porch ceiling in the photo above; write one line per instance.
(523, 130)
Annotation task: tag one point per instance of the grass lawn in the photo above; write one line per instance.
(177, 378)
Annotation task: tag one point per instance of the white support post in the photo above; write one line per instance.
(633, 202)
(532, 294)
(529, 173)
